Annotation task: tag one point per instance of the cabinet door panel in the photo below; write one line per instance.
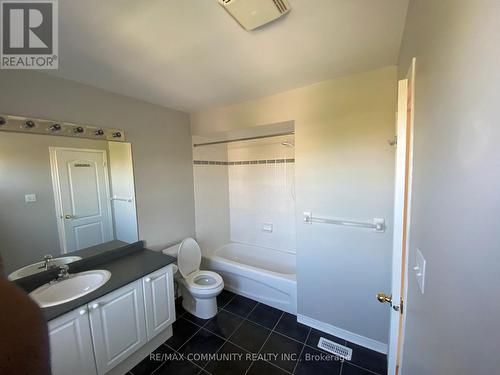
(71, 344)
(159, 301)
(118, 325)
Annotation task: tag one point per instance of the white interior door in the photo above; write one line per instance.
(81, 192)
(404, 157)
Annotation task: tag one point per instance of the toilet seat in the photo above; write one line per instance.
(188, 257)
(203, 280)
(199, 288)
(188, 261)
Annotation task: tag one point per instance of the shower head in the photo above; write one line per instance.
(287, 144)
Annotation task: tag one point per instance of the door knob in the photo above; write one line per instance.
(68, 217)
(383, 298)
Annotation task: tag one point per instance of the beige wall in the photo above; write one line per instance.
(160, 137)
(453, 328)
(345, 169)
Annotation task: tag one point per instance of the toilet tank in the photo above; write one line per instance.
(172, 251)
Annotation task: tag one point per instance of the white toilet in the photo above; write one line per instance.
(199, 288)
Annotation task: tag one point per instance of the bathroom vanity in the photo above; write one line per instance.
(73, 244)
(111, 329)
(97, 336)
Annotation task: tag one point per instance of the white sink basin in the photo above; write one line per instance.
(39, 267)
(77, 285)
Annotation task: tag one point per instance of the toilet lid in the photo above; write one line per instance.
(188, 257)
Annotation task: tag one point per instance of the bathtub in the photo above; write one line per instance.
(265, 275)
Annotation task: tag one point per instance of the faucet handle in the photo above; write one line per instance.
(48, 257)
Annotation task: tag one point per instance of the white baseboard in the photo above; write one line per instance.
(344, 334)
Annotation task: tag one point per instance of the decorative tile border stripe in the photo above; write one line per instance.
(243, 162)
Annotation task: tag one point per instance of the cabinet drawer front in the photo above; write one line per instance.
(118, 325)
(159, 301)
(71, 344)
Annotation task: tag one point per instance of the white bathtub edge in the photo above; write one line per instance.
(243, 266)
(264, 285)
(290, 252)
(290, 308)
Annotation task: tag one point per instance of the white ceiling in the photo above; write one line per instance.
(191, 55)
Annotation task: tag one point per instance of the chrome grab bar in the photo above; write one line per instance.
(378, 224)
(115, 198)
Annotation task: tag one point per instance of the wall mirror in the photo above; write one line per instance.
(59, 195)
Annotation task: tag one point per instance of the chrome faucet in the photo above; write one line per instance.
(63, 272)
(47, 262)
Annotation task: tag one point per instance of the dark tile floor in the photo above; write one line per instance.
(247, 337)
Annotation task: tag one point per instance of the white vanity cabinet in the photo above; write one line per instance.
(98, 336)
(71, 344)
(159, 301)
(118, 325)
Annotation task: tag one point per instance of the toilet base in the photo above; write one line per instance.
(204, 308)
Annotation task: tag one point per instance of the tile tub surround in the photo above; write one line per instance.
(262, 203)
(242, 327)
(126, 265)
(244, 193)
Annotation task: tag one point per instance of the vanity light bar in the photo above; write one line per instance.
(49, 127)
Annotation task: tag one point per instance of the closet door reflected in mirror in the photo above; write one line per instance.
(59, 195)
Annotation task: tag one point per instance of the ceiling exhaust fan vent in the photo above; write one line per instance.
(282, 6)
(251, 14)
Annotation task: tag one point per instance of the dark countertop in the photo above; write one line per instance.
(133, 263)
